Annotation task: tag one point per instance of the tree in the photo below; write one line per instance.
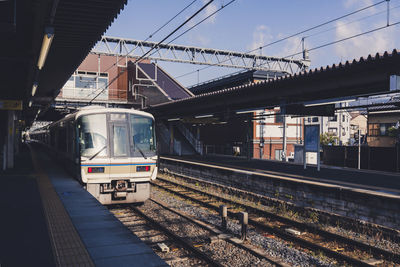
(328, 139)
(393, 132)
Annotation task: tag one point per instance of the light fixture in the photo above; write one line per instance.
(174, 119)
(204, 116)
(246, 111)
(30, 103)
(47, 39)
(384, 111)
(34, 87)
(327, 103)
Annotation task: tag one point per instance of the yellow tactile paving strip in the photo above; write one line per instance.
(67, 245)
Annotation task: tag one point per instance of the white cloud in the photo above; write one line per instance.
(261, 36)
(363, 45)
(211, 8)
(200, 40)
(290, 47)
(358, 3)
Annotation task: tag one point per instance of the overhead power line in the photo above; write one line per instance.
(155, 32)
(174, 31)
(165, 24)
(137, 60)
(295, 34)
(347, 38)
(320, 25)
(351, 22)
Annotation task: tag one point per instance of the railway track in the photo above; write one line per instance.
(159, 238)
(335, 246)
(204, 245)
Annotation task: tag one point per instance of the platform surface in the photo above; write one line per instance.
(56, 222)
(383, 182)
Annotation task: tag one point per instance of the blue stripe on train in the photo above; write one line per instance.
(122, 164)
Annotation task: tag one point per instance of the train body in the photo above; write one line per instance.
(111, 151)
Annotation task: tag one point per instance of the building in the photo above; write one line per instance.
(117, 81)
(337, 125)
(241, 135)
(358, 122)
(383, 124)
(268, 135)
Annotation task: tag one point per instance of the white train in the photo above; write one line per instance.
(111, 151)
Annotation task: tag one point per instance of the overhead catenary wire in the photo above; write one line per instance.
(155, 32)
(180, 26)
(198, 23)
(137, 60)
(351, 22)
(295, 34)
(347, 38)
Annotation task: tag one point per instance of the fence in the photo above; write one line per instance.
(372, 158)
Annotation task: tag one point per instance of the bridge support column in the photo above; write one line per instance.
(171, 139)
(8, 153)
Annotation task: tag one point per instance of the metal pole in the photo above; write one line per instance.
(359, 148)
(223, 211)
(244, 220)
(284, 157)
(304, 149)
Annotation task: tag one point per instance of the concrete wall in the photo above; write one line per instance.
(354, 204)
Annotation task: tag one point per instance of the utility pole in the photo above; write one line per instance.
(359, 148)
(284, 156)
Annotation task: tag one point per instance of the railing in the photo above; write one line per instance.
(196, 144)
(90, 93)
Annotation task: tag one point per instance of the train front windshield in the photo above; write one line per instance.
(93, 135)
(139, 130)
(143, 136)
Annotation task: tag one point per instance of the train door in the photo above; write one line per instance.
(119, 151)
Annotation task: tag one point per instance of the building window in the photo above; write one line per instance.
(86, 85)
(315, 119)
(85, 82)
(278, 118)
(343, 118)
(332, 130)
(379, 129)
(334, 118)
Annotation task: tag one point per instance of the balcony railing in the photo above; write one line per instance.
(90, 93)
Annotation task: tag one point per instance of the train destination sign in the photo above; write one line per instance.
(10, 105)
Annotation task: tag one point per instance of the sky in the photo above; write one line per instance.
(248, 24)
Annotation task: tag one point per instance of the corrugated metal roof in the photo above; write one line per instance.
(359, 77)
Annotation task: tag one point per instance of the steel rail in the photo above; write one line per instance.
(187, 245)
(215, 231)
(312, 229)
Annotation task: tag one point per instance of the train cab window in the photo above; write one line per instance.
(93, 135)
(120, 141)
(143, 135)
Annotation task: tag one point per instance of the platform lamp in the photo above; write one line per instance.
(47, 39)
(34, 88)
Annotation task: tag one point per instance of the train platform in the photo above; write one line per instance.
(377, 181)
(50, 220)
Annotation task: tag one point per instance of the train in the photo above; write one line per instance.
(112, 152)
